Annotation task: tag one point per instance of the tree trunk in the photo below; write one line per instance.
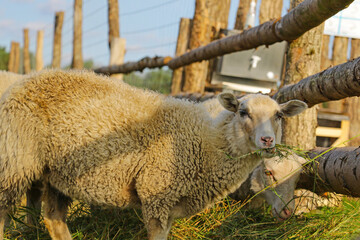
(11, 57)
(59, 19)
(181, 47)
(195, 74)
(39, 50)
(241, 14)
(337, 171)
(270, 9)
(303, 60)
(77, 60)
(26, 54)
(354, 103)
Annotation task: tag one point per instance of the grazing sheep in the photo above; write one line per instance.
(278, 175)
(104, 142)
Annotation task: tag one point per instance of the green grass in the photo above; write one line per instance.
(225, 220)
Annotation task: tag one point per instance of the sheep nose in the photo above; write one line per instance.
(267, 141)
(286, 213)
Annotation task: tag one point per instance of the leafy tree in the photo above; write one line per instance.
(4, 58)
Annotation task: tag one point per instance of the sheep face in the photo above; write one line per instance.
(279, 177)
(257, 119)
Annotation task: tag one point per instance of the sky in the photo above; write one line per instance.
(149, 26)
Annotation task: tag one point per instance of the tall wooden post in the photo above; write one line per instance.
(26, 54)
(39, 50)
(181, 47)
(11, 57)
(77, 59)
(241, 14)
(270, 9)
(325, 60)
(56, 60)
(303, 60)
(354, 102)
(17, 57)
(116, 44)
(195, 74)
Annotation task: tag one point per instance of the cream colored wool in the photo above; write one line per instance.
(8, 78)
(104, 142)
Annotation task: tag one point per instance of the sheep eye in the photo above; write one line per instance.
(243, 113)
(268, 173)
(279, 115)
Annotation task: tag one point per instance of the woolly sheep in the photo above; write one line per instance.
(6, 79)
(90, 138)
(278, 175)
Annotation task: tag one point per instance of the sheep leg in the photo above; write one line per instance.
(33, 201)
(156, 231)
(55, 209)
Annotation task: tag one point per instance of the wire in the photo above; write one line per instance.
(95, 43)
(151, 29)
(95, 11)
(151, 47)
(147, 9)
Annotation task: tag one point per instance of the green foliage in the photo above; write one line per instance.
(225, 220)
(4, 58)
(156, 80)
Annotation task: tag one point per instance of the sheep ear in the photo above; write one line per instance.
(229, 102)
(293, 107)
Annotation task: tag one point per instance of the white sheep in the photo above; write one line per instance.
(8, 78)
(90, 138)
(273, 180)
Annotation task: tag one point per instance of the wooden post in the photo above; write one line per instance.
(241, 14)
(195, 73)
(39, 50)
(354, 102)
(116, 44)
(77, 59)
(113, 18)
(339, 55)
(11, 57)
(303, 60)
(218, 15)
(270, 9)
(17, 57)
(26, 54)
(117, 53)
(56, 60)
(181, 47)
(325, 60)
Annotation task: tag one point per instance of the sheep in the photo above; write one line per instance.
(8, 78)
(278, 175)
(90, 138)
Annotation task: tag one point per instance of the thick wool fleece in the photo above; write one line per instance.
(105, 142)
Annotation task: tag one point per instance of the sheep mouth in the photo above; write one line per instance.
(270, 150)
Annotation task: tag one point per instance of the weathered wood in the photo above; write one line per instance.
(325, 60)
(113, 20)
(241, 14)
(56, 60)
(26, 54)
(77, 59)
(270, 9)
(331, 84)
(11, 57)
(39, 50)
(117, 53)
(353, 104)
(301, 19)
(129, 67)
(181, 47)
(17, 57)
(337, 171)
(195, 74)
